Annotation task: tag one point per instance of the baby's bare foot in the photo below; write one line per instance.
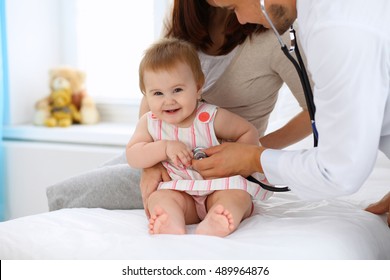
(218, 222)
(161, 223)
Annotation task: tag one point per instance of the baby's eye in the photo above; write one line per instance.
(177, 90)
(158, 93)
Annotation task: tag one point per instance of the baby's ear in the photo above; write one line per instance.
(199, 94)
(200, 91)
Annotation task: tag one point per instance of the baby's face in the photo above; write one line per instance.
(172, 94)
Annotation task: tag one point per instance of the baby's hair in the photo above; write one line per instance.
(165, 54)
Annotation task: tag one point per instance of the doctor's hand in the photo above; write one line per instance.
(150, 179)
(229, 159)
(381, 207)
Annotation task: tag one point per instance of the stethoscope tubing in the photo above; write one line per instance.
(304, 78)
(300, 68)
(266, 187)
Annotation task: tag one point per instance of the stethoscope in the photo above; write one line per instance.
(301, 70)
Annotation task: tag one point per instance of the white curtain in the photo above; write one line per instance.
(3, 102)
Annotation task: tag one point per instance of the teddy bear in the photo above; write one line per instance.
(63, 112)
(64, 79)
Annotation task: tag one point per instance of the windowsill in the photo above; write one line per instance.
(104, 133)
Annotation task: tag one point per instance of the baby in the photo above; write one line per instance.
(171, 79)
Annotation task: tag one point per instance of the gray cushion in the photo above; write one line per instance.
(115, 185)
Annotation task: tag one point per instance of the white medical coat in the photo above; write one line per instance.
(347, 45)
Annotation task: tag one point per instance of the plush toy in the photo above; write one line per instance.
(89, 114)
(42, 112)
(62, 112)
(64, 80)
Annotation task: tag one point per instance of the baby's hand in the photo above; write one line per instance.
(179, 153)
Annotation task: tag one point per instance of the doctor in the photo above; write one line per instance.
(347, 45)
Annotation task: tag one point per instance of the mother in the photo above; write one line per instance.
(244, 70)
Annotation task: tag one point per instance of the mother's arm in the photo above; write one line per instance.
(295, 130)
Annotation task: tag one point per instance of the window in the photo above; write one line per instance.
(110, 37)
(105, 38)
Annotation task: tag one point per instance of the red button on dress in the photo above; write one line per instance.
(204, 117)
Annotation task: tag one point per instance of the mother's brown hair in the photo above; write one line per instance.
(190, 22)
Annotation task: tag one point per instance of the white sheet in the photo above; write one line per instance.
(283, 228)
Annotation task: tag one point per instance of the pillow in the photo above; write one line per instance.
(115, 185)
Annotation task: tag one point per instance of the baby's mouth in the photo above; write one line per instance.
(171, 111)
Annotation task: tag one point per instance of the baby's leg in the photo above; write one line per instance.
(227, 209)
(170, 211)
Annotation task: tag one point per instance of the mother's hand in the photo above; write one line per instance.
(150, 179)
(381, 207)
(229, 159)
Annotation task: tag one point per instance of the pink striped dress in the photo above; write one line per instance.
(199, 134)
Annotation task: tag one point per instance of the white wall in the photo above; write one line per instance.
(30, 167)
